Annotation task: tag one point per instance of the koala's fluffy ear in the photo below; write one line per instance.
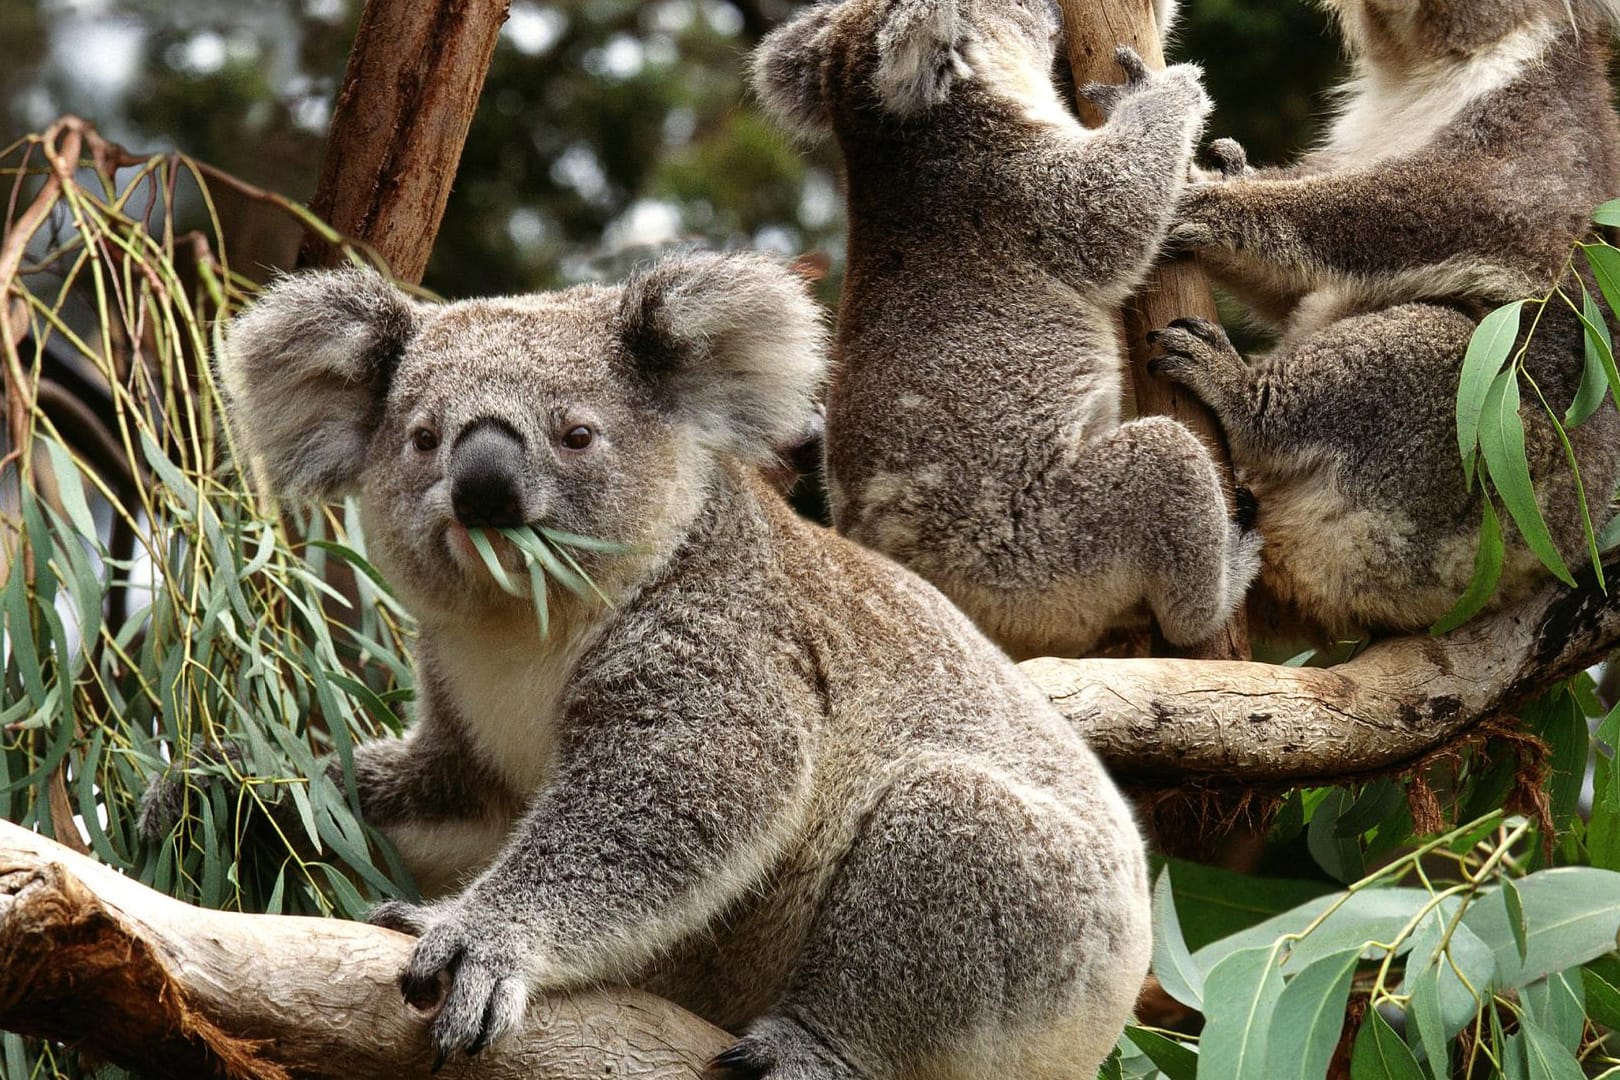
(305, 372)
(920, 54)
(736, 343)
(787, 72)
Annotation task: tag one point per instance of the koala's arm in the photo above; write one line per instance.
(1110, 194)
(1305, 232)
(679, 777)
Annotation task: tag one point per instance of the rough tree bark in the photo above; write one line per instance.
(101, 962)
(1239, 724)
(402, 116)
(1178, 288)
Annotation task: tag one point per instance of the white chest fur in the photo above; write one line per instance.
(507, 684)
(1389, 115)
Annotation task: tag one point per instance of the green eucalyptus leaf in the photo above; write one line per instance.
(1488, 350)
(1572, 915)
(1380, 1054)
(1241, 996)
(1172, 963)
(1501, 442)
(1177, 1061)
(1310, 1017)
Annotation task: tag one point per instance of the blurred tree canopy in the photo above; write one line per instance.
(606, 126)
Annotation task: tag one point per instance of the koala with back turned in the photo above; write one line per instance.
(974, 420)
(1471, 144)
(778, 779)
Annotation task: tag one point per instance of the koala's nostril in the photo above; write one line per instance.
(486, 478)
(486, 499)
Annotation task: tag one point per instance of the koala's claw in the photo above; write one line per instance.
(1189, 349)
(1204, 330)
(748, 1059)
(474, 988)
(1130, 62)
(401, 915)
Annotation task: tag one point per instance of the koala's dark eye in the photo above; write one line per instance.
(425, 439)
(578, 438)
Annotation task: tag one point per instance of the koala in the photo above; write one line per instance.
(776, 779)
(1472, 143)
(974, 426)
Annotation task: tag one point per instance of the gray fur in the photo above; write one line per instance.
(973, 425)
(780, 780)
(1472, 143)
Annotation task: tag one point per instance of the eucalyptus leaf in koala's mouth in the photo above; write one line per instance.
(545, 554)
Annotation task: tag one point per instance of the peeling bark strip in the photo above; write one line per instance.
(1168, 722)
(1177, 288)
(402, 116)
(99, 961)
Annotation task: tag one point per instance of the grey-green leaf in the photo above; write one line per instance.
(1172, 963)
(1572, 915)
(1241, 1000)
(1310, 1017)
(1380, 1054)
(1501, 441)
(1488, 350)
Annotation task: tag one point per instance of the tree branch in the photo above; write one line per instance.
(1167, 722)
(95, 959)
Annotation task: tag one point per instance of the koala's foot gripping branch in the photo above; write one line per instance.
(94, 959)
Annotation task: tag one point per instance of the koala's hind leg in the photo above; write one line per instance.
(972, 929)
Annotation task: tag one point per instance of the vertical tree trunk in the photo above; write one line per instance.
(402, 116)
(1177, 288)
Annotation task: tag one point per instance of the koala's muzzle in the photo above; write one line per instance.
(486, 476)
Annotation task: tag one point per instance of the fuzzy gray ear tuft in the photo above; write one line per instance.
(305, 373)
(736, 340)
(786, 72)
(920, 55)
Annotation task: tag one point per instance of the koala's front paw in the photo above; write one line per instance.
(1193, 352)
(1107, 96)
(471, 964)
(167, 798)
(1230, 158)
(1199, 221)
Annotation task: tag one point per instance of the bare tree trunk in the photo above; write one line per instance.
(402, 117)
(1178, 288)
(95, 959)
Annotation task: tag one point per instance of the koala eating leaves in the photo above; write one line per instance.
(1472, 143)
(974, 420)
(779, 780)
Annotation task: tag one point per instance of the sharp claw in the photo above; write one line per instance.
(1153, 336)
(439, 1057)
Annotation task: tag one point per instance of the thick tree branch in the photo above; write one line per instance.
(97, 960)
(1237, 724)
(1177, 288)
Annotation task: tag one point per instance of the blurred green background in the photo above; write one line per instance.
(606, 127)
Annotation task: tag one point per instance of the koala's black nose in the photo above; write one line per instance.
(486, 476)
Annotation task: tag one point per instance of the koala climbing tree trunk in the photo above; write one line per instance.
(1093, 29)
(402, 117)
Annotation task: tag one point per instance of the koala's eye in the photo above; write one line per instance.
(425, 439)
(578, 438)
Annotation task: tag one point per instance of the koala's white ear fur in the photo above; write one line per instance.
(737, 343)
(920, 54)
(305, 373)
(1164, 13)
(786, 73)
